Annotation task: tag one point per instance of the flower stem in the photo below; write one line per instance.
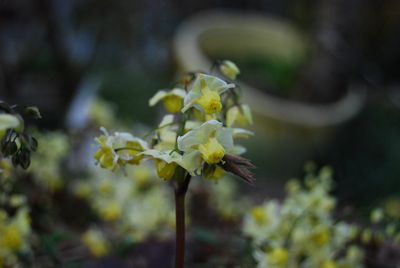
(180, 193)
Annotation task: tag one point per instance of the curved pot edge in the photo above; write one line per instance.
(190, 57)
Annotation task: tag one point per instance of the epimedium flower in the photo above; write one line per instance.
(96, 242)
(14, 235)
(205, 94)
(168, 161)
(119, 149)
(211, 140)
(213, 144)
(303, 228)
(188, 142)
(165, 170)
(166, 134)
(213, 172)
(239, 115)
(172, 100)
(229, 69)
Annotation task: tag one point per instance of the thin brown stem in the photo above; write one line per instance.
(180, 193)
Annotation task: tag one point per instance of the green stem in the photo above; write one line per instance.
(180, 193)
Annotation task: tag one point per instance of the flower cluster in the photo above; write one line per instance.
(383, 227)
(196, 137)
(133, 203)
(301, 232)
(15, 231)
(53, 152)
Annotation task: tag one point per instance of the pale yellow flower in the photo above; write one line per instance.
(210, 139)
(165, 170)
(229, 69)
(205, 94)
(118, 150)
(239, 115)
(96, 243)
(172, 100)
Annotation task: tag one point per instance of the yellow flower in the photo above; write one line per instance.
(366, 236)
(173, 100)
(328, 264)
(212, 152)
(229, 69)
(5, 168)
(259, 215)
(278, 257)
(240, 115)
(142, 175)
(376, 215)
(101, 113)
(165, 170)
(110, 212)
(293, 186)
(210, 101)
(11, 238)
(105, 155)
(211, 140)
(205, 94)
(392, 207)
(118, 149)
(82, 190)
(173, 103)
(321, 237)
(191, 162)
(96, 243)
(133, 150)
(105, 188)
(214, 173)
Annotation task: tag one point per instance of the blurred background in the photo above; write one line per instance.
(321, 76)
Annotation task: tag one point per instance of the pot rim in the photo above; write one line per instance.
(190, 57)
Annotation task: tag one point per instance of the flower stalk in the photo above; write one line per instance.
(180, 194)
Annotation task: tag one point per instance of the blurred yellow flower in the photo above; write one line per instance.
(172, 100)
(259, 215)
(110, 211)
(165, 170)
(328, 264)
(278, 257)
(96, 243)
(214, 173)
(320, 237)
(239, 115)
(11, 238)
(229, 69)
(376, 215)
